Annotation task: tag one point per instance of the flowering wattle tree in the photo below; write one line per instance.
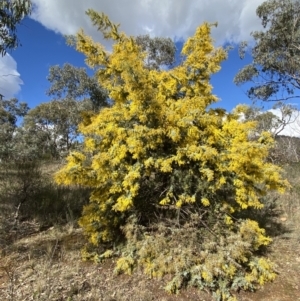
(170, 176)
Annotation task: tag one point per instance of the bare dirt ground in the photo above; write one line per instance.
(46, 265)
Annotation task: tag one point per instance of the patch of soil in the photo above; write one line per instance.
(47, 266)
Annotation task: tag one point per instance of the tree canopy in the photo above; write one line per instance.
(275, 70)
(267, 120)
(160, 51)
(54, 126)
(10, 111)
(11, 13)
(71, 82)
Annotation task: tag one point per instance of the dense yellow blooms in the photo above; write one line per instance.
(158, 126)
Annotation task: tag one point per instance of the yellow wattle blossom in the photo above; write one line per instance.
(228, 220)
(170, 174)
(160, 144)
(205, 202)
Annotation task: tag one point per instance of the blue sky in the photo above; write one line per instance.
(42, 48)
(43, 44)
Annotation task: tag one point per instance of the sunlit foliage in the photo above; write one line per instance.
(169, 174)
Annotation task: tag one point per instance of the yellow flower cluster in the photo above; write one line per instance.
(160, 124)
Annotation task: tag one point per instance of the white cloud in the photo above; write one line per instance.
(172, 18)
(292, 129)
(10, 80)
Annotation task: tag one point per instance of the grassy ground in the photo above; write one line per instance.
(45, 265)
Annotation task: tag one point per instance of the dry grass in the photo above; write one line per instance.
(46, 265)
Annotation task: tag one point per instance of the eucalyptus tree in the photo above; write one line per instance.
(55, 124)
(70, 82)
(11, 13)
(10, 111)
(160, 51)
(274, 74)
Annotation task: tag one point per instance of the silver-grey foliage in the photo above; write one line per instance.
(10, 111)
(54, 126)
(160, 51)
(11, 14)
(275, 70)
(72, 82)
